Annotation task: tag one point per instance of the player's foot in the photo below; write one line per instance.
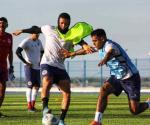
(2, 116)
(34, 109)
(95, 123)
(31, 109)
(61, 122)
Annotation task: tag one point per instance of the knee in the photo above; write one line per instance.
(67, 94)
(103, 93)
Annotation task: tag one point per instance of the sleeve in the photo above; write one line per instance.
(48, 30)
(23, 44)
(42, 49)
(33, 29)
(112, 47)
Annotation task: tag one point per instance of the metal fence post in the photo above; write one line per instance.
(84, 73)
(20, 74)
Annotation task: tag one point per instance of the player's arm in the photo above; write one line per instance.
(42, 52)
(106, 58)
(33, 29)
(66, 54)
(19, 54)
(10, 58)
(86, 47)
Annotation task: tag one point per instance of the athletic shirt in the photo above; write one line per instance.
(5, 48)
(32, 51)
(120, 64)
(53, 44)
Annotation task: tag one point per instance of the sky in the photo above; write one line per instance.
(125, 21)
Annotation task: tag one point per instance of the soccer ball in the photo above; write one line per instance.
(49, 119)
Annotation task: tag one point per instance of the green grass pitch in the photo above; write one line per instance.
(81, 112)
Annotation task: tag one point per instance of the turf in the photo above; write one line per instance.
(81, 110)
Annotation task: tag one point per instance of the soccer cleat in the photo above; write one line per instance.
(61, 122)
(95, 123)
(31, 110)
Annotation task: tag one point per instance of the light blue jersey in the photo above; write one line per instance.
(120, 64)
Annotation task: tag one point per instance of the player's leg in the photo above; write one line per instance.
(63, 83)
(105, 91)
(137, 107)
(36, 85)
(132, 87)
(33, 96)
(47, 81)
(64, 86)
(3, 79)
(28, 75)
(2, 92)
(112, 85)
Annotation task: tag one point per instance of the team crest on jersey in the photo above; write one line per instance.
(44, 72)
(29, 83)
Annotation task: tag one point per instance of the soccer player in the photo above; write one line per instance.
(6, 52)
(52, 63)
(33, 52)
(123, 75)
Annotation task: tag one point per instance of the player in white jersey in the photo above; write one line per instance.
(52, 63)
(33, 49)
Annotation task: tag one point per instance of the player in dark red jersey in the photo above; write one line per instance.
(5, 52)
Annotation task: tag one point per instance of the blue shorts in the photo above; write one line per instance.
(32, 77)
(56, 73)
(131, 86)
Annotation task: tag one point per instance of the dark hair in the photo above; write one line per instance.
(64, 15)
(3, 19)
(98, 32)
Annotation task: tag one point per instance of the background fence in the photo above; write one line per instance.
(86, 73)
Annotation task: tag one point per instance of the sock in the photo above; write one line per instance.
(28, 96)
(45, 105)
(148, 102)
(33, 97)
(63, 114)
(98, 117)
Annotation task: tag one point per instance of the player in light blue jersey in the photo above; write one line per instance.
(123, 75)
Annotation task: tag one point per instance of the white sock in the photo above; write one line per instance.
(28, 94)
(34, 94)
(148, 102)
(98, 117)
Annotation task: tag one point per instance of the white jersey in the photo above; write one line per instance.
(53, 44)
(32, 51)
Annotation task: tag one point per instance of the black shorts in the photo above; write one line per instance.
(56, 73)
(131, 86)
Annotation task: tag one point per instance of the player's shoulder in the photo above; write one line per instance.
(8, 34)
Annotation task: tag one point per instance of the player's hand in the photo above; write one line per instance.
(11, 69)
(29, 64)
(65, 53)
(11, 73)
(102, 62)
(89, 49)
(17, 32)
